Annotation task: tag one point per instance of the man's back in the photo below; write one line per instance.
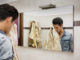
(6, 49)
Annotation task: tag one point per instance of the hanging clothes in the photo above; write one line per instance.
(14, 38)
(54, 41)
(34, 35)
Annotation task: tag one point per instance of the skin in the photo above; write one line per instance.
(6, 25)
(59, 29)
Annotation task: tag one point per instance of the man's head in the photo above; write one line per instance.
(8, 14)
(58, 24)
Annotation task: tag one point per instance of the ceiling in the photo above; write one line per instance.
(24, 5)
(43, 2)
(6, 1)
(31, 5)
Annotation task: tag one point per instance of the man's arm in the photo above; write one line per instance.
(71, 44)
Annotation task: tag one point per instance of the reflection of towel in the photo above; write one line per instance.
(35, 34)
(13, 35)
(54, 42)
(32, 33)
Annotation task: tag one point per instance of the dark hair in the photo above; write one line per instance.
(7, 10)
(58, 21)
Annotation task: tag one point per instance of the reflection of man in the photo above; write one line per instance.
(8, 15)
(66, 37)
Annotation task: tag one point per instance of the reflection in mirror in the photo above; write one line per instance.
(50, 29)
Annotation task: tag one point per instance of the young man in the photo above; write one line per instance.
(66, 37)
(8, 15)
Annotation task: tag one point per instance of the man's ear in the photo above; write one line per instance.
(9, 19)
(62, 25)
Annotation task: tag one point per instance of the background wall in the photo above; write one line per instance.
(36, 54)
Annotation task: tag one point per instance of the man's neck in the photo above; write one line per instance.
(61, 33)
(2, 27)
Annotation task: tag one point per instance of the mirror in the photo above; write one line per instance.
(50, 29)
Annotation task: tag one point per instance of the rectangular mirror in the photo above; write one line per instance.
(50, 29)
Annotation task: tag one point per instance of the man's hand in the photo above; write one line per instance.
(61, 33)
